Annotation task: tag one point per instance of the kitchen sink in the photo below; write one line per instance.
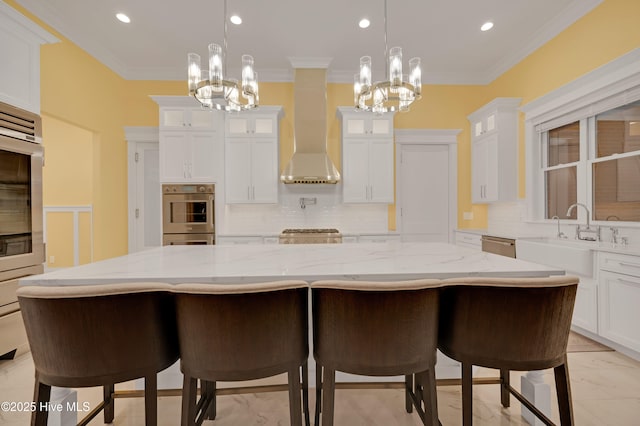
(571, 255)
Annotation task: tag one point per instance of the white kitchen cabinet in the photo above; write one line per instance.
(619, 299)
(188, 156)
(262, 123)
(191, 141)
(251, 170)
(494, 151)
(251, 156)
(181, 118)
(468, 239)
(378, 238)
(367, 157)
(359, 124)
(20, 40)
(585, 310)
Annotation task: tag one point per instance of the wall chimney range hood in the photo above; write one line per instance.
(310, 163)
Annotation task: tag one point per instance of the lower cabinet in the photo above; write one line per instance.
(468, 239)
(619, 299)
(585, 311)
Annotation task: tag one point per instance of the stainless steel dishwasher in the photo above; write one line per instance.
(499, 245)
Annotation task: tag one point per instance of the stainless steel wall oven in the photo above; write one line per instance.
(21, 237)
(188, 214)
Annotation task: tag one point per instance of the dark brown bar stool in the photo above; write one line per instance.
(376, 329)
(99, 335)
(509, 324)
(242, 332)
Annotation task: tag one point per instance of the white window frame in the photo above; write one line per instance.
(610, 86)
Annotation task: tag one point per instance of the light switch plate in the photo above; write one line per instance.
(467, 215)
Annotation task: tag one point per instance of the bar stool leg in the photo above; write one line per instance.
(430, 396)
(505, 394)
(563, 389)
(41, 395)
(305, 393)
(109, 407)
(408, 386)
(209, 391)
(318, 410)
(151, 400)
(189, 394)
(328, 396)
(294, 397)
(467, 395)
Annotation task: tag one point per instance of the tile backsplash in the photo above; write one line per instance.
(323, 209)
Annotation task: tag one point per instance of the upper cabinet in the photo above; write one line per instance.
(181, 118)
(251, 156)
(260, 123)
(20, 40)
(494, 151)
(365, 125)
(191, 141)
(367, 156)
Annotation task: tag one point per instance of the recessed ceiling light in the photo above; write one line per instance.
(364, 23)
(235, 19)
(123, 18)
(486, 26)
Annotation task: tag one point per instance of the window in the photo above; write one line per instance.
(616, 169)
(563, 155)
(611, 177)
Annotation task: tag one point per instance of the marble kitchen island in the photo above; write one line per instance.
(388, 261)
(393, 260)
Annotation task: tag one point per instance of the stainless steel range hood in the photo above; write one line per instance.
(310, 162)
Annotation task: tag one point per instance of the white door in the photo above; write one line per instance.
(148, 223)
(424, 191)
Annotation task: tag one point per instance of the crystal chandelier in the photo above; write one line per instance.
(397, 92)
(213, 89)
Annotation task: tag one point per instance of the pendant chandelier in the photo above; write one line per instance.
(213, 89)
(397, 92)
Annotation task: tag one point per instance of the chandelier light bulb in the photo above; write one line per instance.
(193, 70)
(365, 73)
(395, 67)
(415, 75)
(215, 67)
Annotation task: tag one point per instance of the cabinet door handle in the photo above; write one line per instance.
(248, 192)
(629, 264)
(622, 280)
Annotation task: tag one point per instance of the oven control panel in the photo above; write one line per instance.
(189, 189)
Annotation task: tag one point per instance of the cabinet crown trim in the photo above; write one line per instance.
(498, 104)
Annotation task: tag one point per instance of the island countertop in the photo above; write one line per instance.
(258, 263)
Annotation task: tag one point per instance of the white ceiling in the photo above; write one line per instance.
(444, 33)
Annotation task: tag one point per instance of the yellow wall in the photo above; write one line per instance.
(606, 33)
(80, 91)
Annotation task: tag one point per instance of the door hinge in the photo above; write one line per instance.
(137, 213)
(137, 157)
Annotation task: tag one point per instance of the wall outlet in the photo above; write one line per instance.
(52, 259)
(467, 215)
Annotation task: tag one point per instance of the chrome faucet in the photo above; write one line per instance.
(573, 206)
(560, 234)
(580, 231)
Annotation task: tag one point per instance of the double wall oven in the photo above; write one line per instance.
(21, 237)
(188, 214)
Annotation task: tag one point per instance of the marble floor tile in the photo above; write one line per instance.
(605, 387)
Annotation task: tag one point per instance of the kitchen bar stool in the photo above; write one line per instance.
(233, 332)
(99, 335)
(509, 324)
(376, 329)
